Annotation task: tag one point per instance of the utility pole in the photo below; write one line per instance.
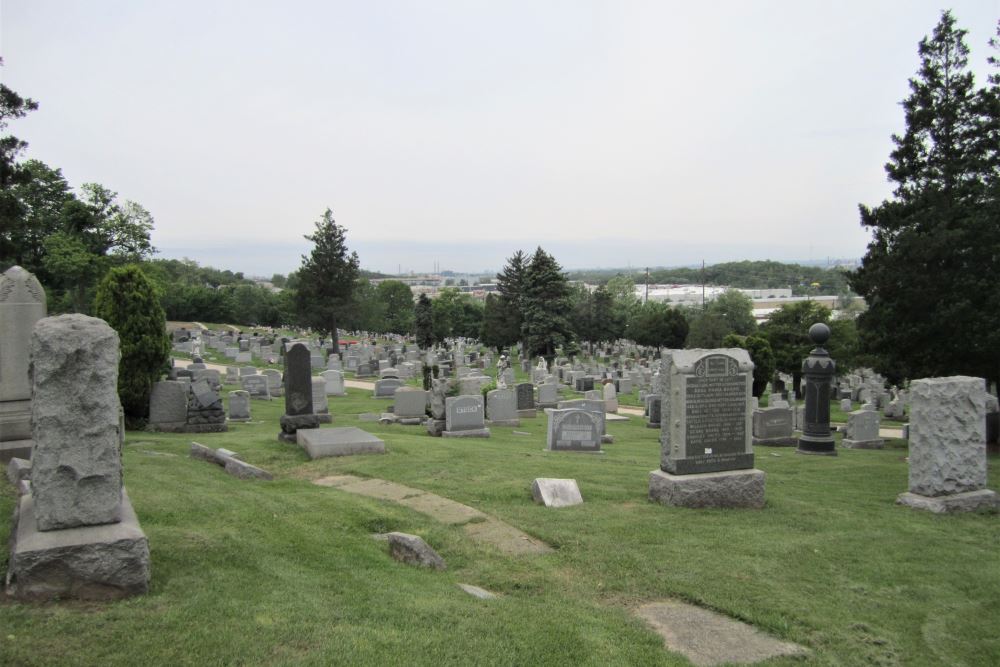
(646, 298)
(703, 284)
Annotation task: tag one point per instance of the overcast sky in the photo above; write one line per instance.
(610, 133)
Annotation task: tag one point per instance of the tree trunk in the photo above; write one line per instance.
(334, 339)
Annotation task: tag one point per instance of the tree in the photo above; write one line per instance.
(12, 106)
(933, 263)
(546, 310)
(622, 291)
(126, 300)
(707, 328)
(736, 308)
(494, 324)
(396, 300)
(787, 330)
(761, 355)
(327, 279)
(511, 288)
(658, 325)
(423, 319)
(40, 198)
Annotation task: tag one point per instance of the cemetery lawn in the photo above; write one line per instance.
(287, 573)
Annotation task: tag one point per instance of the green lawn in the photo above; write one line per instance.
(286, 572)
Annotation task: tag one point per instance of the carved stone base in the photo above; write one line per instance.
(730, 489)
(878, 443)
(969, 501)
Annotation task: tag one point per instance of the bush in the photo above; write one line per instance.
(126, 300)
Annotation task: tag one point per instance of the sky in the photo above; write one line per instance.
(453, 133)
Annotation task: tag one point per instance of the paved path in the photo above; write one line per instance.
(477, 525)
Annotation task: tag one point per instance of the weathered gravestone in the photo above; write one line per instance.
(334, 382)
(862, 430)
(548, 395)
(247, 370)
(439, 391)
(239, 406)
(706, 455)
(274, 386)
(653, 403)
(583, 384)
(168, 406)
(846, 405)
(298, 393)
(409, 405)
(501, 408)
(595, 406)
(573, 430)
(553, 492)
(205, 413)
(22, 304)
(256, 386)
(386, 388)
(610, 396)
(232, 374)
(773, 427)
(465, 417)
(345, 441)
(525, 397)
(364, 370)
(76, 534)
(948, 446)
(321, 408)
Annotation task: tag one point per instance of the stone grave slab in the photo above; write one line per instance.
(553, 492)
(345, 441)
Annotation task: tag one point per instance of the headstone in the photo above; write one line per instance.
(76, 534)
(653, 403)
(239, 406)
(894, 409)
(610, 398)
(321, 407)
(585, 383)
(298, 393)
(818, 370)
(205, 413)
(846, 405)
(525, 397)
(862, 431)
(465, 417)
(346, 441)
(573, 430)
(256, 386)
(501, 408)
(706, 451)
(410, 405)
(548, 395)
(232, 374)
(948, 446)
(774, 427)
(247, 370)
(22, 304)
(386, 388)
(556, 492)
(274, 386)
(334, 383)
(364, 370)
(168, 406)
(243, 357)
(413, 550)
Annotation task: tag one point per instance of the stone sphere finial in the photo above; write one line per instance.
(819, 333)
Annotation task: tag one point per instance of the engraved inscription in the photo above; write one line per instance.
(715, 414)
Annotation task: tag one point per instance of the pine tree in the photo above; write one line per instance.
(547, 306)
(424, 322)
(934, 260)
(658, 325)
(126, 300)
(511, 287)
(327, 279)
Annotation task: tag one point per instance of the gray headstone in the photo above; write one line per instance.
(548, 395)
(574, 430)
(500, 407)
(773, 424)
(862, 430)
(525, 392)
(319, 402)
(168, 403)
(464, 413)
(387, 388)
(556, 492)
(256, 386)
(239, 405)
(22, 304)
(76, 472)
(298, 381)
(409, 402)
(345, 441)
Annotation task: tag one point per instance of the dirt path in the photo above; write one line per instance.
(478, 526)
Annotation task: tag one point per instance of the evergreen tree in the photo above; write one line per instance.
(494, 324)
(761, 355)
(934, 260)
(787, 331)
(327, 280)
(423, 317)
(396, 302)
(126, 300)
(511, 288)
(547, 306)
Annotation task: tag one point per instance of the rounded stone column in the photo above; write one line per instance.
(818, 370)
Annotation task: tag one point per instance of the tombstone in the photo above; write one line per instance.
(409, 406)
(774, 427)
(346, 441)
(334, 383)
(298, 393)
(706, 455)
(465, 417)
(321, 407)
(439, 390)
(247, 370)
(274, 386)
(364, 370)
(653, 403)
(210, 375)
(232, 374)
(894, 409)
(205, 413)
(948, 446)
(610, 398)
(22, 304)
(244, 345)
(386, 388)
(548, 395)
(501, 408)
(846, 405)
(584, 383)
(623, 386)
(507, 375)
(333, 363)
(556, 492)
(243, 357)
(76, 534)
(525, 397)
(168, 406)
(256, 386)
(232, 352)
(573, 430)
(239, 406)
(862, 431)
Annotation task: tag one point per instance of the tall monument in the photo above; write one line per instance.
(22, 303)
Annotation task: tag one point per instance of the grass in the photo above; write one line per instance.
(286, 572)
